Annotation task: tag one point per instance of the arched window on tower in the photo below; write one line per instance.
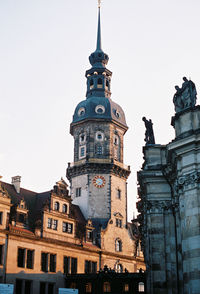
(91, 84)
(116, 147)
(107, 85)
(99, 83)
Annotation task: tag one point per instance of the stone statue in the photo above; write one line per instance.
(149, 135)
(185, 97)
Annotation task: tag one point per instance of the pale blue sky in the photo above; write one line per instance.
(44, 53)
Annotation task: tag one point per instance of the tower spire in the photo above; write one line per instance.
(99, 28)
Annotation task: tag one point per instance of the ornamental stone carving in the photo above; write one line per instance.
(184, 181)
(156, 206)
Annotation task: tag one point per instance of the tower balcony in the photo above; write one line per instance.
(99, 161)
(91, 165)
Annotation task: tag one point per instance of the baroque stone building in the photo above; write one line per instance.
(46, 236)
(169, 205)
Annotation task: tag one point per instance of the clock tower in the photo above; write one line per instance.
(98, 175)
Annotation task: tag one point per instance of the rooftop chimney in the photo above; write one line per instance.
(16, 182)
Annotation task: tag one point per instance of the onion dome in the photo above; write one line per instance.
(98, 104)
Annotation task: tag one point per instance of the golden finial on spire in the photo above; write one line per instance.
(99, 3)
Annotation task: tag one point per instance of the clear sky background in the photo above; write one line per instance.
(44, 50)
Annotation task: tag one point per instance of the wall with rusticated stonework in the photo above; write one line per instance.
(169, 208)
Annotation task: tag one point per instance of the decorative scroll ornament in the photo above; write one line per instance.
(189, 179)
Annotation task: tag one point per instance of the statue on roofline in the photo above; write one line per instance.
(185, 97)
(149, 134)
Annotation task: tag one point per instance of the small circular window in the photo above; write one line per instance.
(100, 109)
(81, 111)
(99, 136)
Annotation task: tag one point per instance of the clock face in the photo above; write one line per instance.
(99, 181)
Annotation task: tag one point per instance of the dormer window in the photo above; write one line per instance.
(81, 111)
(89, 235)
(100, 109)
(56, 206)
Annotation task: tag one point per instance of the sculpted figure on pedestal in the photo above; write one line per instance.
(149, 135)
(185, 97)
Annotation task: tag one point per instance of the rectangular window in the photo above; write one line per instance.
(67, 228)
(66, 265)
(94, 267)
(49, 224)
(118, 222)
(78, 192)
(87, 266)
(21, 257)
(90, 266)
(30, 259)
(99, 150)
(64, 227)
(82, 152)
(70, 228)
(52, 263)
(44, 262)
(1, 254)
(1, 217)
(73, 265)
(55, 224)
(118, 194)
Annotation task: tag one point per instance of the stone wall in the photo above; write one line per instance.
(170, 208)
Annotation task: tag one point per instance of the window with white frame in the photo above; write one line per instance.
(99, 136)
(55, 224)
(82, 138)
(64, 208)
(82, 151)
(49, 223)
(67, 227)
